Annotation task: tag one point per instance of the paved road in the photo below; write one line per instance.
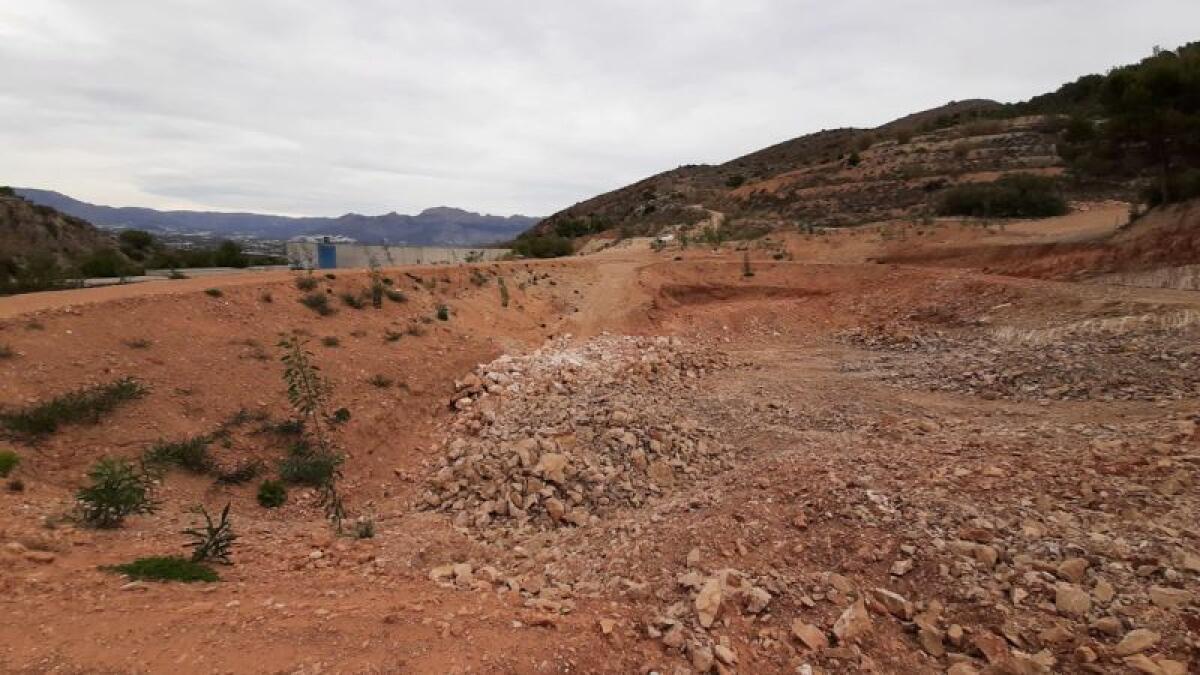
(162, 275)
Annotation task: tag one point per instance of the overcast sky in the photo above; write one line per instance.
(300, 107)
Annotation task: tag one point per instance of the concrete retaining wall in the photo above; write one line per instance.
(305, 255)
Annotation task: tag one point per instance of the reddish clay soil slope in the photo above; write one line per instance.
(1165, 237)
(644, 462)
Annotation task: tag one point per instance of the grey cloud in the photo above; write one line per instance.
(523, 106)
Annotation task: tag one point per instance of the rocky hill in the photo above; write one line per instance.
(435, 226)
(26, 227)
(1131, 131)
(831, 178)
(38, 244)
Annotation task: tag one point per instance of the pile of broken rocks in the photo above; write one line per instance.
(1146, 364)
(567, 433)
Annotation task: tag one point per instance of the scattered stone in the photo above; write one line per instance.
(463, 574)
(931, 641)
(1188, 560)
(1171, 667)
(1073, 570)
(1109, 625)
(708, 602)
(988, 555)
(757, 600)
(1085, 654)
(992, 646)
(701, 657)
(1137, 640)
(1070, 600)
(854, 623)
(896, 604)
(725, 654)
(1169, 598)
(1142, 664)
(674, 638)
(40, 557)
(812, 637)
(840, 583)
(1054, 635)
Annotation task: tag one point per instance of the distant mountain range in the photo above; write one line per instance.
(440, 226)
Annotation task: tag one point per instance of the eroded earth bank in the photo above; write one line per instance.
(629, 462)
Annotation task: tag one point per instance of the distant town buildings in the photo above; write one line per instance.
(324, 239)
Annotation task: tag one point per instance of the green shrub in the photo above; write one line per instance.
(364, 529)
(331, 341)
(82, 406)
(1181, 186)
(8, 461)
(242, 473)
(117, 490)
(443, 313)
(176, 274)
(543, 246)
(6, 352)
(310, 466)
(210, 542)
(136, 241)
(1012, 196)
(306, 282)
(381, 381)
(214, 292)
(166, 568)
(108, 263)
(735, 181)
(36, 271)
(577, 227)
(190, 455)
(272, 494)
(308, 393)
(353, 300)
(394, 295)
(287, 427)
(317, 302)
(229, 254)
(503, 292)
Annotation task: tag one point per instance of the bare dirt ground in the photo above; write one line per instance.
(644, 463)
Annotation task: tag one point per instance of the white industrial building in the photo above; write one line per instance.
(331, 255)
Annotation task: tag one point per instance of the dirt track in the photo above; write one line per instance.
(843, 462)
